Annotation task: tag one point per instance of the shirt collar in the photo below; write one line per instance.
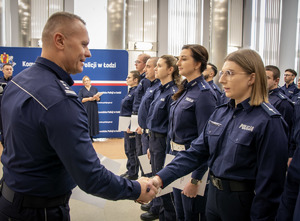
(59, 72)
(243, 105)
(193, 82)
(276, 90)
(166, 86)
(132, 88)
(8, 79)
(154, 82)
(290, 85)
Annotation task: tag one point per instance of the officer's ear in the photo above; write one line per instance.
(59, 40)
(251, 79)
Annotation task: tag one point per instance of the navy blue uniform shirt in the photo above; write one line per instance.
(158, 116)
(145, 103)
(296, 98)
(291, 90)
(217, 90)
(48, 149)
(127, 102)
(286, 108)
(246, 143)
(190, 112)
(283, 104)
(139, 93)
(290, 200)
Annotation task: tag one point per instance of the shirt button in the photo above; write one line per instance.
(233, 116)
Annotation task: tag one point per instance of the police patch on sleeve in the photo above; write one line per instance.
(66, 88)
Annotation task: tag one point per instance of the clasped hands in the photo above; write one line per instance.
(149, 188)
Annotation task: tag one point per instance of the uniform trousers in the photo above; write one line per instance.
(165, 203)
(189, 209)
(16, 212)
(132, 164)
(225, 205)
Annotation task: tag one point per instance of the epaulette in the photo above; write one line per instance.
(270, 109)
(281, 96)
(66, 88)
(203, 86)
(216, 88)
(174, 89)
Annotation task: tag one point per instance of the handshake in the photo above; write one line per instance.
(149, 188)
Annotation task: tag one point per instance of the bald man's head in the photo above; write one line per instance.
(59, 22)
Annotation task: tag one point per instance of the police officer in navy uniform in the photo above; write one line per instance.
(244, 144)
(146, 101)
(290, 88)
(48, 150)
(144, 84)
(142, 117)
(209, 74)
(7, 70)
(157, 123)
(296, 97)
(194, 103)
(280, 101)
(132, 164)
(290, 200)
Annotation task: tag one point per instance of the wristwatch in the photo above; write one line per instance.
(195, 181)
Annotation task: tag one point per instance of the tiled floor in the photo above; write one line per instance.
(123, 210)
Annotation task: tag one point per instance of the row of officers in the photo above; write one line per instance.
(246, 135)
(244, 141)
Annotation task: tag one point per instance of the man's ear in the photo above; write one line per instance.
(59, 40)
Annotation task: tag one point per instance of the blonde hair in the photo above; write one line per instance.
(84, 77)
(251, 62)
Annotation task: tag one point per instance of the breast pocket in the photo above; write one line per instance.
(213, 133)
(240, 148)
(161, 110)
(187, 112)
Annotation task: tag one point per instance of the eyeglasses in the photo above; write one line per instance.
(138, 62)
(229, 73)
(287, 75)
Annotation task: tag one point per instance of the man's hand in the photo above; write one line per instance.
(190, 190)
(148, 190)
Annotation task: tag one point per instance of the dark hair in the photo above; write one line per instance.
(136, 75)
(171, 62)
(215, 69)
(292, 71)
(275, 70)
(200, 54)
(6, 65)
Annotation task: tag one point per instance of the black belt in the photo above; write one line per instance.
(155, 134)
(231, 185)
(34, 201)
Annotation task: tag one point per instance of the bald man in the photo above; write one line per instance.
(48, 150)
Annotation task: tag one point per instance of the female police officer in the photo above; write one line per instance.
(166, 71)
(195, 102)
(132, 164)
(245, 143)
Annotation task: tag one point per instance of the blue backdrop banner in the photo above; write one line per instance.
(107, 70)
